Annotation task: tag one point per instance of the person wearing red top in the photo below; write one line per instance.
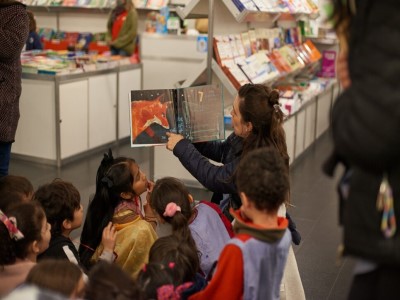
(251, 265)
(122, 28)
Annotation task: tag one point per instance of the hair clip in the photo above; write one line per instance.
(11, 225)
(277, 107)
(171, 265)
(144, 269)
(171, 209)
(107, 181)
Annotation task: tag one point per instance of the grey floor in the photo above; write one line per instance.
(324, 276)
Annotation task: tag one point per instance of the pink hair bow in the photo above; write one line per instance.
(11, 225)
(171, 209)
(169, 292)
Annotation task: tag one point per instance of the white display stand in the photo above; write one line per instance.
(67, 116)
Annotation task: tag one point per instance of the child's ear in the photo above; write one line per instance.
(66, 224)
(35, 247)
(245, 200)
(191, 198)
(126, 196)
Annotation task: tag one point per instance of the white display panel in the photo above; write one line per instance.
(128, 81)
(102, 109)
(74, 117)
(36, 132)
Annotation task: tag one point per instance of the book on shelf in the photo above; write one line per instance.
(262, 37)
(194, 112)
(140, 3)
(253, 41)
(246, 43)
(223, 50)
(69, 2)
(259, 68)
(289, 54)
(236, 76)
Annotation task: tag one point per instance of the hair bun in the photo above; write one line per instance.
(273, 97)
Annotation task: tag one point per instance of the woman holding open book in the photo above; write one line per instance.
(257, 122)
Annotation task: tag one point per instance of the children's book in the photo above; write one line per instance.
(197, 113)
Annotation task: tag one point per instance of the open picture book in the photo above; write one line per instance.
(197, 113)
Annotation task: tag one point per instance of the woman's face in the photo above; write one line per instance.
(140, 182)
(240, 128)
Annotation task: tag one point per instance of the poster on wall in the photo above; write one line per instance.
(197, 113)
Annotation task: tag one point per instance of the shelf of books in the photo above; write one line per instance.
(270, 11)
(88, 6)
(260, 56)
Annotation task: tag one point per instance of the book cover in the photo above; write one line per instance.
(194, 112)
(253, 41)
(262, 35)
(246, 43)
(328, 67)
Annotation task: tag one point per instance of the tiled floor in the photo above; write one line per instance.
(315, 212)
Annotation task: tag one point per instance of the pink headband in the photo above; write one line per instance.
(171, 209)
(11, 225)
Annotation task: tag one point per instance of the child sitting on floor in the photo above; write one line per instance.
(179, 259)
(251, 265)
(24, 233)
(173, 204)
(62, 203)
(119, 184)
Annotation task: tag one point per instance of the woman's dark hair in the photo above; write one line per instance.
(108, 281)
(153, 276)
(167, 190)
(113, 178)
(262, 176)
(29, 217)
(343, 12)
(56, 275)
(32, 22)
(59, 199)
(259, 105)
(172, 249)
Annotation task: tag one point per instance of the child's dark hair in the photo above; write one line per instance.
(262, 176)
(113, 178)
(29, 218)
(14, 189)
(172, 249)
(259, 104)
(153, 276)
(165, 191)
(108, 281)
(60, 199)
(58, 275)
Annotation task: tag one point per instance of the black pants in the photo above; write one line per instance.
(382, 283)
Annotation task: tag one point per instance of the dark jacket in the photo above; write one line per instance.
(366, 128)
(61, 247)
(218, 179)
(14, 28)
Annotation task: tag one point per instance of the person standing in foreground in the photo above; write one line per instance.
(14, 29)
(251, 264)
(365, 131)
